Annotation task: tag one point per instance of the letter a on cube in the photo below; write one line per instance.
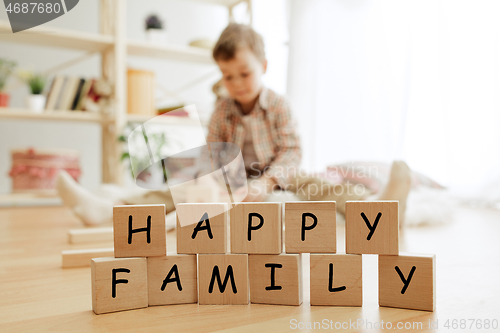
(208, 234)
(139, 231)
(172, 279)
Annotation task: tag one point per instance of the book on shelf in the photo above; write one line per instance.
(69, 93)
(49, 92)
(47, 89)
(54, 92)
(76, 97)
(59, 98)
(87, 86)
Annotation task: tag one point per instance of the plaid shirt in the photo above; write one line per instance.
(275, 140)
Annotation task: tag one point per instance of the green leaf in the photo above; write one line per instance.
(124, 156)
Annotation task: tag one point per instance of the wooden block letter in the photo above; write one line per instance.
(223, 279)
(275, 279)
(310, 227)
(256, 228)
(336, 279)
(372, 227)
(208, 234)
(172, 280)
(119, 284)
(407, 281)
(139, 231)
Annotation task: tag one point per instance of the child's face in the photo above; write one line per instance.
(242, 75)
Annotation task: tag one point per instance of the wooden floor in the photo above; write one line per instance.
(36, 294)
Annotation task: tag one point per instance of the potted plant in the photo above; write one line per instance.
(154, 30)
(36, 82)
(153, 175)
(6, 67)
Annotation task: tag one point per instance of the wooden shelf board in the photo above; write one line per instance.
(169, 120)
(19, 113)
(45, 36)
(172, 52)
(227, 3)
(84, 116)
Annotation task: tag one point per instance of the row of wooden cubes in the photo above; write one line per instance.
(257, 228)
(256, 232)
(335, 279)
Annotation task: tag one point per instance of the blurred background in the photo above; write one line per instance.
(368, 81)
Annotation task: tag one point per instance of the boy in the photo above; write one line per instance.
(259, 121)
(254, 117)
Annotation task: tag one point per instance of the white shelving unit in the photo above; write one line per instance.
(170, 52)
(61, 38)
(20, 113)
(226, 3)
(114, 48)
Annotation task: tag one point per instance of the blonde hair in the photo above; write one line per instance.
(237, 36)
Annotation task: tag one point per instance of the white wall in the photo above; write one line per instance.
(185, 21)
(412, 80)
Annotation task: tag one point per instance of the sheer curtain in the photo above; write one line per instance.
(412, 80)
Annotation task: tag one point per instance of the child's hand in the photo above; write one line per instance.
(259, 189)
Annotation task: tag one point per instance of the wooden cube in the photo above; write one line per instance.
(256, 228)
(82, 257)
(223, 279)
(275, 279)
(172, 280)
(310, 227)
(90, 235)
(209, 234)
(407, 281)
(119, 284)
(372, 227)
(139, 231)
(336, 279)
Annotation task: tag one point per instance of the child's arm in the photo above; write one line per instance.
(259, 188)
(215, 130)
(289, 152)
(288, 155)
